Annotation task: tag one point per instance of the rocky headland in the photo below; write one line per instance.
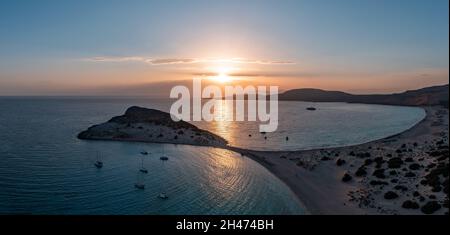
(152, 126)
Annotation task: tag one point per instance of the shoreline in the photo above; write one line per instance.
(316, 178)
(318, 181)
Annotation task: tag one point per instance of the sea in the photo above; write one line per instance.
(46, 170)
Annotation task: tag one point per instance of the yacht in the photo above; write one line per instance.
(143, 169)
(163, 196)
(98, 163)
(139, 186)
(139, 182)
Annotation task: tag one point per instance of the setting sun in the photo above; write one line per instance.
(222, 77)
(223, 74)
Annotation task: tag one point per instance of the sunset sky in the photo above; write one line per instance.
(145, 47)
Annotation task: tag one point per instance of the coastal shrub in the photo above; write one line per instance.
(401, 188)
(410, 175)
(414, 166)
(368, 162)
(410, 205)
(378, 182)
(436, 189)
(390, 195)
(340, 162)
(430, 207)
(421, 198)
(445, 184)
(379, 160)
(395, 163)
(361, 171)
(325, 158)
(346, 177)
(379, 174)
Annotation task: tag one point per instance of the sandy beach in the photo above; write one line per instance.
(402, 174)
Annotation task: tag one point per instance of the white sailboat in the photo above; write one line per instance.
(163, 158)
(98, 163)
(139, 182)
(163, 196)
(143, 169)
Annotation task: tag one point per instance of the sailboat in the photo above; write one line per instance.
(143, 169)
(98, 163)
(311, 108)
(139, 186)
(163, 195)
(139, 183)
(163, 157)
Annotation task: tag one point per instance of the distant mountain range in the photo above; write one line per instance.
(436, 95)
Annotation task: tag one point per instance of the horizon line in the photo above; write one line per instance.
(157, 96)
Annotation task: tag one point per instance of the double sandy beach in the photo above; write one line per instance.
(402, 174)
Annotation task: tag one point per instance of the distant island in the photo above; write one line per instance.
(436, 95)
(149, 125)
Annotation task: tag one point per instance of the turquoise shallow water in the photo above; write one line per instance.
(45, 169)
(331, 125)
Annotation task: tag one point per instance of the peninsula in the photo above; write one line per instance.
(153, 126)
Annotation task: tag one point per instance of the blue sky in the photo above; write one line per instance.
(331, 44)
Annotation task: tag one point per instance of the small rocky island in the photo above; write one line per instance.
(149, 125)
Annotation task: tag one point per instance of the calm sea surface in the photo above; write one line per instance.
(45, 169)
